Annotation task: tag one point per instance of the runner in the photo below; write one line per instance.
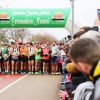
(45, 58)
(23, 58)
(31, 58)
(38, 59)
(14, 58)
(54, 57)
(1, 59)
(6, 59)
(10, 57)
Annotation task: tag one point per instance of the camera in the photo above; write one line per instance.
(98, 12)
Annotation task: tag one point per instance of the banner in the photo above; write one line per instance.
(33, 18)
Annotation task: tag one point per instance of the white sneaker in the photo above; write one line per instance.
(16, 73)
(12, 73)
(29, 73)
(32, 73)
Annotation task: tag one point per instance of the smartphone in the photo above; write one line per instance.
(98, 12)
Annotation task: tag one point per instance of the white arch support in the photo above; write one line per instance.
(78, 23)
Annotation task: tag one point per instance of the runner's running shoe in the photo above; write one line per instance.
(52, 73)
(39, 72)
(46, 73)
(43, 73)
(21, 73)
(12, 73)
(29, 73)
(24, 73)
(36, 73)
(16, 73)
(57, 73)
(32, 73)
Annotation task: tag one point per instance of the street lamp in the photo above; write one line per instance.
(72, 4)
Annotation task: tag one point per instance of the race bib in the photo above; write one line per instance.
(14, 57)
(14, 53)
(5, 55)
(30, 53)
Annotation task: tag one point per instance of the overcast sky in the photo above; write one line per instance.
(87, 9)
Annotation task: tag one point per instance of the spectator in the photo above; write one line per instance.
(86, 55)
(85, 28)
(95, 28)
(83, 91)
(77, 35)
(65, 40)
(92, 35)
(62, 52)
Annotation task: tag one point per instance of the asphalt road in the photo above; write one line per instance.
(34, 87)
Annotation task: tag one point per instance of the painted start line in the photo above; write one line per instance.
(7, 81)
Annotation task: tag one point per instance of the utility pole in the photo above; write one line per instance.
(72, 4)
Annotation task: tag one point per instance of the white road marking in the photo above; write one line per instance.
(12, 84)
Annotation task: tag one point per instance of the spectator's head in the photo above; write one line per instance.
(67, 47)
(85, 28)
(62, 46)
(92, 35)
(77, 35)
(69, 37)
(95, 28)
(85, 54)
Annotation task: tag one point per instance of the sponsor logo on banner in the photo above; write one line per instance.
(58, 16)
(4, 17)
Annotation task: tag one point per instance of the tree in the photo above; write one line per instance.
(3, 35)
(18, 33)
(43, 38)
(22, 33)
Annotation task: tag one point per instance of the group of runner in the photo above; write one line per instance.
(31, 58)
